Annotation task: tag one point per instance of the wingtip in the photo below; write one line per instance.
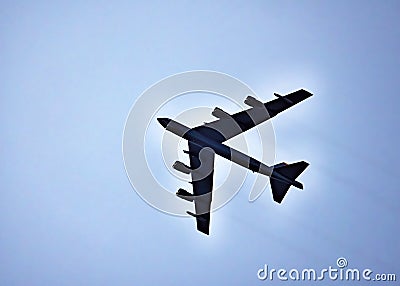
(203, 229)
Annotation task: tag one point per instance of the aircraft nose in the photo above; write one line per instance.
(164, 121)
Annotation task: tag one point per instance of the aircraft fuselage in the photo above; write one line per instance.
(220, 149)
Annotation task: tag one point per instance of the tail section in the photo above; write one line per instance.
(283, 176)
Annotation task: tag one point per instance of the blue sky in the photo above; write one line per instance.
(69, 74)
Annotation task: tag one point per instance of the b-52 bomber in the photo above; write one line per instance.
(207, 140)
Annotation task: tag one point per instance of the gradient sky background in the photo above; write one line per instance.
(69, 73)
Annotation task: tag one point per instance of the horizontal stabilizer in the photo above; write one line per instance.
(283, 176)
(280, 165)
(292, 171)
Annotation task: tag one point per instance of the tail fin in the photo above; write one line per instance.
(283, 176)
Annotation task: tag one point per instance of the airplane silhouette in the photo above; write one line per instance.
(206, 140)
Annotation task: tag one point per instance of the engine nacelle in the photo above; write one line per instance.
(219, 113)
(181, 167)
(185, 195)
(253, 102)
